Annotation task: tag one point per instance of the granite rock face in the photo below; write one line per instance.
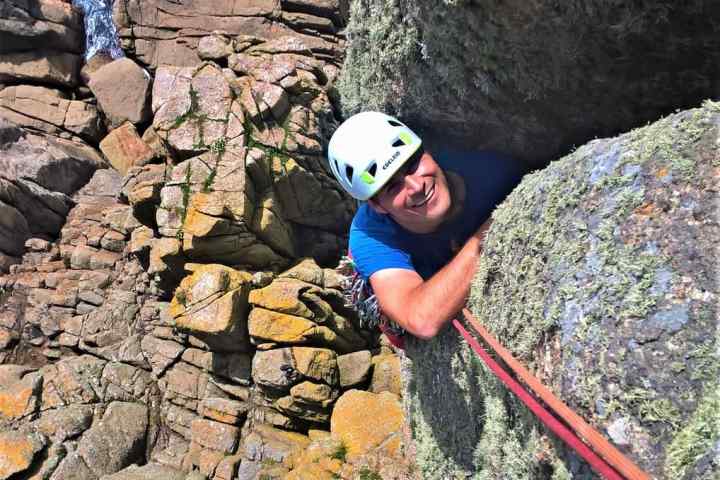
(40, 41)
(599, 273)
(39, 174)
(529, 79)
(128, 335)
(162, 32)
(50, 111)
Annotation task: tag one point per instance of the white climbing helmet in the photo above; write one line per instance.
(367, 149)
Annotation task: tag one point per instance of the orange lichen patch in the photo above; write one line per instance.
(662, 172)
(646, 209)
(14, 403)
(16, 453)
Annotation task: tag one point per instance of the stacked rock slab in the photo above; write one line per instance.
(599, 273)
(45, 126)
(40, 42)
(161, 32)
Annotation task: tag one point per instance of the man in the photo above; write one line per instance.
(418, 237)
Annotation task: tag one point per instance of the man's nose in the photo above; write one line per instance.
(413, 184)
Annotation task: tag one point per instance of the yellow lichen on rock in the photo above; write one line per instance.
(365, 421)
(266, 325)
(282, 296)
(212, 302)
(15, 403)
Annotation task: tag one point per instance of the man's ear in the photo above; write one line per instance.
(376, 206)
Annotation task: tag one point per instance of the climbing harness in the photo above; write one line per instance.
(359, 295)
(610, 463)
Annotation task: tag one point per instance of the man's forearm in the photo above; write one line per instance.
(435, 301)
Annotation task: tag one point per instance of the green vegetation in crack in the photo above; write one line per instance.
(340, 453)
(193, 115)
(269, 150)
(186, 189)
(218, 148)
(366, 474)
(181, 297)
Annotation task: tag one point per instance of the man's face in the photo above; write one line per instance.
(417, 197)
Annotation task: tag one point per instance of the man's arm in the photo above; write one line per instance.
(423, 307)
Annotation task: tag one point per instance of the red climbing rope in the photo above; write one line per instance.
(591, 436)
(597, 463)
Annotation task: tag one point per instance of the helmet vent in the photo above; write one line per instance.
(395, 123)
(349, 173)
(373, 169)
(398, 143)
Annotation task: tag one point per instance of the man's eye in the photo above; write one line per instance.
(393, 185)
(413, 165)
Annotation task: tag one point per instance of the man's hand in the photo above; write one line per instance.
(481, 232)
(423, 307)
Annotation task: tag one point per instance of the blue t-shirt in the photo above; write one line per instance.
(377, 242)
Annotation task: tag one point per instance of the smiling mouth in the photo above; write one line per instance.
(427, 198)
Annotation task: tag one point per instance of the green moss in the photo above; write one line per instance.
(186, 189)
(181, 297)
(706, 364)
(366, 474)
(340, 453)
(384, 40)
(696, 437)
(672, 138)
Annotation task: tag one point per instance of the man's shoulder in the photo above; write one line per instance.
(377, 243)
(367, 220)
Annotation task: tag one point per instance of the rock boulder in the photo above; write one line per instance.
(529, 79)
(599, 275)
(122, 89)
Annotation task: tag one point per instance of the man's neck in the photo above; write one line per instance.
(458, 192)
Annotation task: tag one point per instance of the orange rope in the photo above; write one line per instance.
(604, 448)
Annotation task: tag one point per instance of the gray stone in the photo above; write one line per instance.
(73, 467)
(48, 110)
(354, 367)
(123, 90)
(214, 47)
(152, 471)
(40, 24)
(45, 66)
(39, 172)
(66, 422)
(275, 369)
(117, 441)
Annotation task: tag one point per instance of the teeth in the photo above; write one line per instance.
(427, 197)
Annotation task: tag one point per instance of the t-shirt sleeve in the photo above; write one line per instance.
(374, 246)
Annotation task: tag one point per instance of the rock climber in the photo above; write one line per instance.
(418, 233)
